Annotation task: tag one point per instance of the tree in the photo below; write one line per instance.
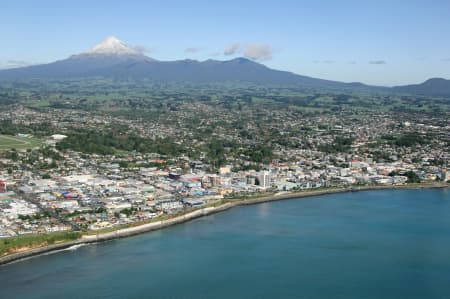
(412, 177)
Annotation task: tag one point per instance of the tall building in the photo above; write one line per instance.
(214, 180)
(445, 175)
(264, 179)
(2, 187)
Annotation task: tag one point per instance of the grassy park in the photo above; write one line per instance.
(8, 142)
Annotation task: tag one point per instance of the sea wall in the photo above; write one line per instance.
(126, 232)
(121, 233)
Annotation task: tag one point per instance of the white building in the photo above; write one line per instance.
(264, 179)
(58, 137)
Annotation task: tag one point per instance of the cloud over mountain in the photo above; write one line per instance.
(142, 49)
(232, 49)
(14, 64)
(258, 52)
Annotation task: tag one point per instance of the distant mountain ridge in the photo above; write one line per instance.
(113, 58)
(432, 87)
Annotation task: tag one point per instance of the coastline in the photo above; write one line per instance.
(201, 212)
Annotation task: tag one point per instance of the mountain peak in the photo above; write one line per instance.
(112, 45)
(435, 80)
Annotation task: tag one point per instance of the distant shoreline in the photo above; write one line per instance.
(201, 212)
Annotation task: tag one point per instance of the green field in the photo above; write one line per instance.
(11, 245)
(8, 142)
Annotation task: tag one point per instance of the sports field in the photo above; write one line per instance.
(9, 142)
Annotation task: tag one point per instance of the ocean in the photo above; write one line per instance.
(370, 244)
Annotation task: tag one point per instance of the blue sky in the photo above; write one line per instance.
(376, 42)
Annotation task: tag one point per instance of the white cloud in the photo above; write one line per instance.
(10, 64)
(143, 49)
(191, 50)
(377, 62)
(232, 49)
(258, 52)
(326, 61)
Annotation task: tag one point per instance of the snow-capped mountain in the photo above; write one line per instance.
(115, 59)
(113, 46)
(112, 50)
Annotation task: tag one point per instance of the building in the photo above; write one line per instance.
(355, 164)
(264, 179)
(193, 203)
(58, 137)
(445, 175)
(224, 170)
(2, 187)
(214, 180)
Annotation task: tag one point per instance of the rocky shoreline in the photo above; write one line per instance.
(130, 231)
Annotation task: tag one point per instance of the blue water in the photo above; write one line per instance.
(374, 244)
